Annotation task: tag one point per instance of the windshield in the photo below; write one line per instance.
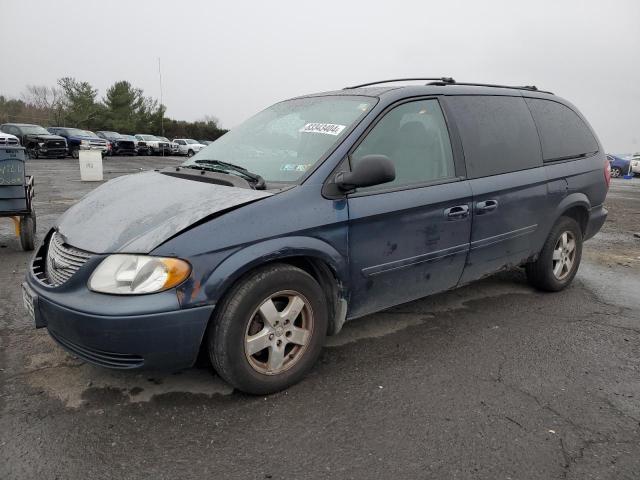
(288, 138)
(112, 135)
(76, 132)
(33, 130)
(190, 141)
(164, 139)
(87, 133)
(129, 137)
(149, 137)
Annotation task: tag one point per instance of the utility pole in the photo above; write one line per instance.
(161, 110)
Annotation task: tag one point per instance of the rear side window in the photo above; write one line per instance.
(563, 133)
(498, 134)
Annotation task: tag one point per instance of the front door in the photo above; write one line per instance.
(410, 237)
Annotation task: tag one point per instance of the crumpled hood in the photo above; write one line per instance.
(136, 213)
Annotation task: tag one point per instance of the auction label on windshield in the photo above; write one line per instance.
(326, 128)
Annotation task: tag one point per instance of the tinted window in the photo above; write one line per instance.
(498, 134)
(415, 137)
(562, 132)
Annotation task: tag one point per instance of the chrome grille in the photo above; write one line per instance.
(9, 141)
(63, 261)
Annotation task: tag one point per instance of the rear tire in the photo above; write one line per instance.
(254, 344)
(559, 258)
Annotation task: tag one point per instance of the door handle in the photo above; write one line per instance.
(459, 211)
(486, 206)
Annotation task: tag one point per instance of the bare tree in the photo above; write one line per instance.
(49, 100)
(41, 96)
(210, 119)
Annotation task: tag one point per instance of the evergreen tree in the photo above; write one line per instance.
(81, 108)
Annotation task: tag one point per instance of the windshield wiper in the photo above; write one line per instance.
(226, 167)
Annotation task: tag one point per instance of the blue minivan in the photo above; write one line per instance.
(316, 211)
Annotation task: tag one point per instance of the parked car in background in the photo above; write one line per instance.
(188, 146)
(205, 142)
(156, 145)
(619, 165)
(635, 163)
(174, 145)
(37, 140)
(8, 139)
(80, 140)
(141, 146)
(398, 193)
(119, 144)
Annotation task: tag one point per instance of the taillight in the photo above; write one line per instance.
(607, 172)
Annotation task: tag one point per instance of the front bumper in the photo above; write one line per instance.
(597, 217)
(94, 147)
(162, 340)
(51, 152)
(161, 150)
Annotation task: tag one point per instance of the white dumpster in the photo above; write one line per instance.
(90, 166)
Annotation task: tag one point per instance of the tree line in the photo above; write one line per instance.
(124, 108)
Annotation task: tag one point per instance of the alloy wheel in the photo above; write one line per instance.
(278, 332)
(564, 255)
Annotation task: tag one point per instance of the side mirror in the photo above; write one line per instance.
(370, 170)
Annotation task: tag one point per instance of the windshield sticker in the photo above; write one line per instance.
(294, 167)
(326, 128)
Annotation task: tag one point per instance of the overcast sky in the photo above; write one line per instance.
(230, 59)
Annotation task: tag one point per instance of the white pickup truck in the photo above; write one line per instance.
(188, 146)
(8, 139)
(635, 163)
(155, 144)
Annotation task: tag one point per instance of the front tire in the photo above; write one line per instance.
(269, 330)
(559, 258)
(190, 153)
(616, 172)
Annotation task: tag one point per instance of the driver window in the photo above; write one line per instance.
(414, 136)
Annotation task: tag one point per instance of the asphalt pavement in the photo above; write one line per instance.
(490, 381)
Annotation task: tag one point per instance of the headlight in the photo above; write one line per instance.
(84, 142)
(137, 274)
(41, 144)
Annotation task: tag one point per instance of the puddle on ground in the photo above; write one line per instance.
(421, 311)
(62, 377)
(614, 286)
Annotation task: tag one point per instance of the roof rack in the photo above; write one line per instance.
(443, 81)
(532, 88)
(436, 79)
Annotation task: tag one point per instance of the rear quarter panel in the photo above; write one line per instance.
(584, 185)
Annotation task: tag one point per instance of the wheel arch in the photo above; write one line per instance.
(314, 256)
(576, 206)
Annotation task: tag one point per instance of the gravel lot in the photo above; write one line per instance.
(493, 380)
